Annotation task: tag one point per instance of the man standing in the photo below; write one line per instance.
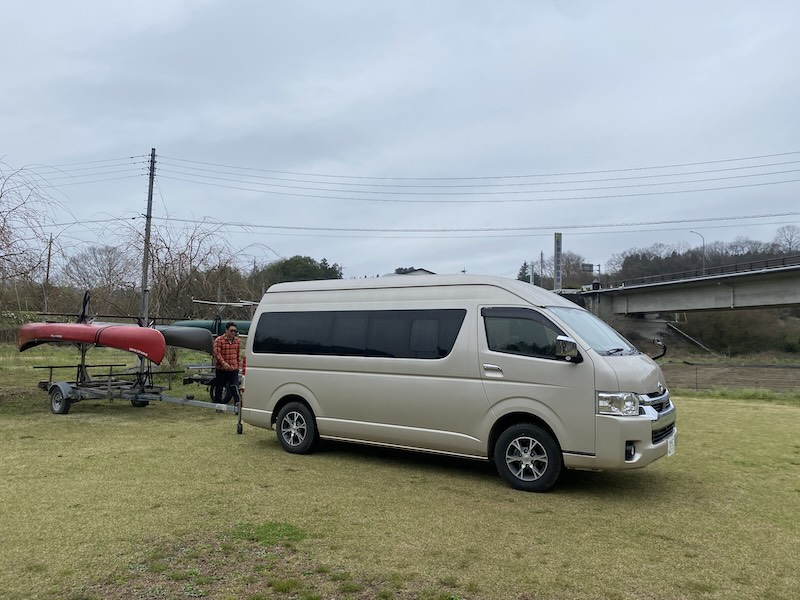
(226, 355)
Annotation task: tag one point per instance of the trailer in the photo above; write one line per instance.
(204, 374)
(135, 385)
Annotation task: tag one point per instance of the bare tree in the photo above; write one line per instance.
(787, 239)
(743, 246)
(24, 209)
(110, 273)
(193, 261)
(107, 267)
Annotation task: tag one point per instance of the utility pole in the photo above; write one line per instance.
(47, 272)
(146, 253)
(541, 268)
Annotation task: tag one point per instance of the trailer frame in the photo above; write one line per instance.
(141, 391)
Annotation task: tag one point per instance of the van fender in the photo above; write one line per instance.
(515, 409)
(293, 390)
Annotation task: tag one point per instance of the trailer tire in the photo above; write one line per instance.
(297, 428)
(528, 458)
(59, 403)
(139, 403)
(225, 396)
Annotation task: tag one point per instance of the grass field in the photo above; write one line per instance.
(112, 501)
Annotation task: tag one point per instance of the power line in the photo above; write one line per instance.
(93, 221)
(501, 201)
(68, 176)
(160, 195)
(208, 221)
(479, 185)
(623, 170)
(89, 162)
(490, 193)
(485, 235)
(486, 229)
(70, 171)
(60, 185)
(497, 232)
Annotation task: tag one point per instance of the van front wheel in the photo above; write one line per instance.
(528, 458)
(297, 430)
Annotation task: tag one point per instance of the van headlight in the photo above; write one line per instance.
(621, 404)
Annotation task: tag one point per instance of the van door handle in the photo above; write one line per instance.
(491, 367)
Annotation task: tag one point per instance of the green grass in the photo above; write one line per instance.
(791, 399)
(270, 534)
(111, 501)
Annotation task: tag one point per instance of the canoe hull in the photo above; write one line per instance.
(192, 338)
(215, 327)
(142, 341)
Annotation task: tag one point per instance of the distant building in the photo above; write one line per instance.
(411, 271)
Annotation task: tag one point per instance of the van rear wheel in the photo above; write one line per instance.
(297, 429)
(528, 458)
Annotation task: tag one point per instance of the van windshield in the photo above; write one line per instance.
(595, 332)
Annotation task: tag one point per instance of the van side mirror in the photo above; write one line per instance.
(567, 348)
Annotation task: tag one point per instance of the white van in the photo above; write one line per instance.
(472, 366)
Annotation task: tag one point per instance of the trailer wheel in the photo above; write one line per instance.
(212, 392)
(139, 403)
(528, 458)
(59, 405)
(297, 429)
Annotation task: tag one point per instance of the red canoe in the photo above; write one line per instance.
(142, 341)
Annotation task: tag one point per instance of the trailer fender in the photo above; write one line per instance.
(60, 397)
(66, 389)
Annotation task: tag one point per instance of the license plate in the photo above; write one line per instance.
(671, 446)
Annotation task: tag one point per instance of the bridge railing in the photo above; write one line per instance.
(743, 267)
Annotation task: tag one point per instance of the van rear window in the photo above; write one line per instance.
(428, 334)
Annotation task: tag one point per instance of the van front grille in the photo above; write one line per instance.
(661, 434)
(658, 400)
(661, 406)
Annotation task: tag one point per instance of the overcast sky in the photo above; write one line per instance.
(322, 128)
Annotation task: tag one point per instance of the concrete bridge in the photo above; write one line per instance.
(770, 283)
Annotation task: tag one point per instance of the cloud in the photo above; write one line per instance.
(411, 90)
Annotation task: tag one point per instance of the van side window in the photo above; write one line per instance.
(429, 334)
(520, 331)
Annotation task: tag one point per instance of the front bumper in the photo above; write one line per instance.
(628, 442)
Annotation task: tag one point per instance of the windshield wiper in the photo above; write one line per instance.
(614, 351)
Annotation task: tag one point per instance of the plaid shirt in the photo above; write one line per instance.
(226, 352)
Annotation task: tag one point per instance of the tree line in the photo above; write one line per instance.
(197, 262)
(661, 259)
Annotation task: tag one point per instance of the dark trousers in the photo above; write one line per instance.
(227, 383)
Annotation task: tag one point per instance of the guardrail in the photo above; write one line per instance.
(743, 267)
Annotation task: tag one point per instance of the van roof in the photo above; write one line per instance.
(530, 293)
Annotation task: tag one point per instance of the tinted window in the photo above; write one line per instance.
(287, 334)
(349, 332)
(386, 333)
(520, 331)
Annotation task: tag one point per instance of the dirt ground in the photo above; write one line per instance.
(702, 376)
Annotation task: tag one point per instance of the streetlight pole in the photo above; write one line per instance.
(704, 249)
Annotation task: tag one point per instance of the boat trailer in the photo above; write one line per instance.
(134, 385)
